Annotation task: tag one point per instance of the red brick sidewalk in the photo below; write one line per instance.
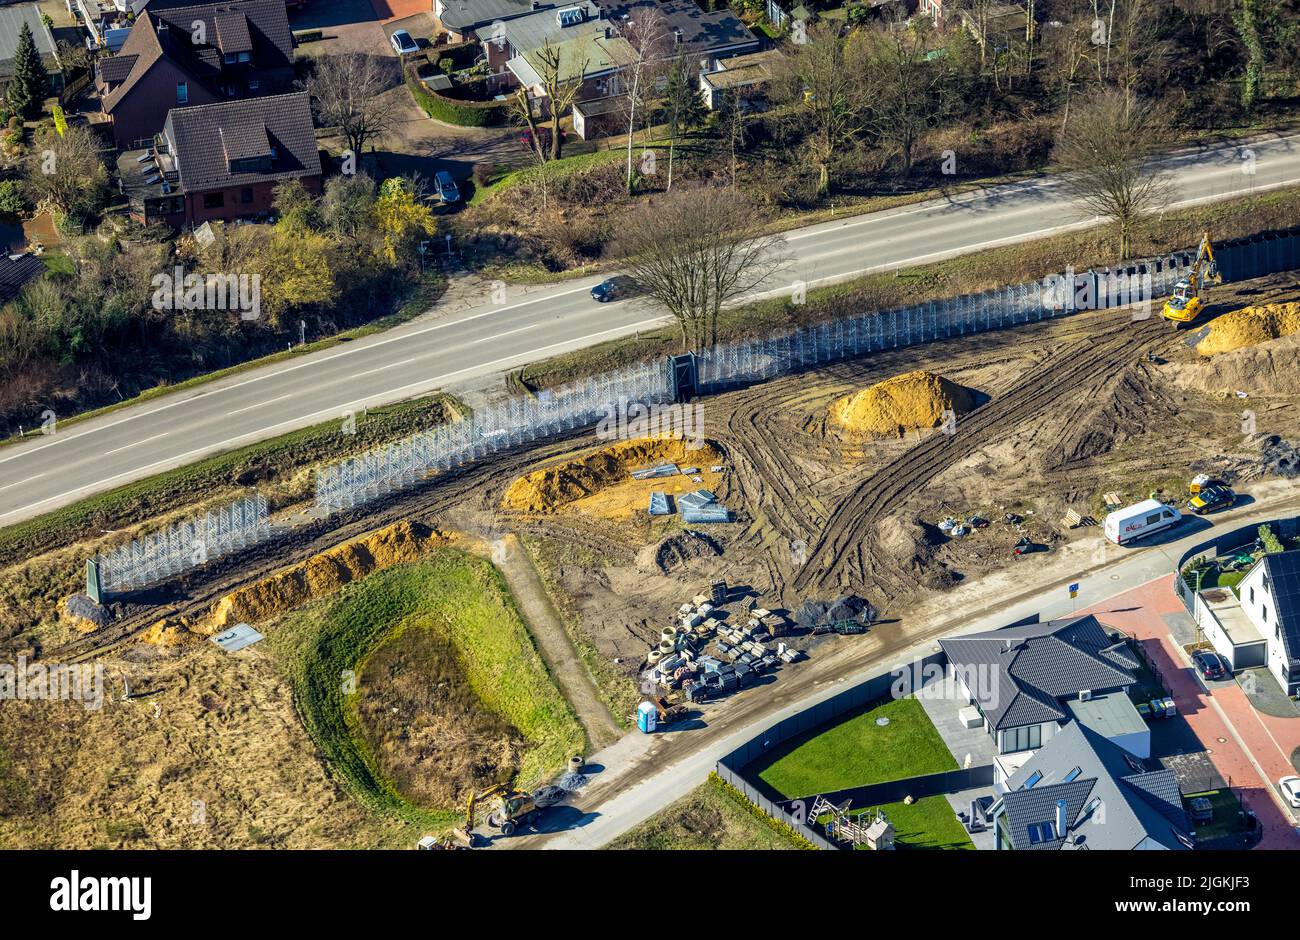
(1269, 740)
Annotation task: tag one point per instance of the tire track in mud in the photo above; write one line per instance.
(843, 551)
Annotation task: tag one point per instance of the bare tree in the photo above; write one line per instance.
(1104, 156)
(349, 93)
(560, 81)
(65, 173)
(696, 250)
(907, 89)
(647, 36)
(825, 84)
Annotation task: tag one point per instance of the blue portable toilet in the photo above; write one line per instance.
(646, 718)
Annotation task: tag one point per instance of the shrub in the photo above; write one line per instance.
(309, 35)
(446, 65)
(11, 198)
(1270, 540)
(463, 113)
(483, 173)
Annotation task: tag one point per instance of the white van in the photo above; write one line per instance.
(1139, 520)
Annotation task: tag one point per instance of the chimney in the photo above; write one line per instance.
(677, 36)
(1061, 823)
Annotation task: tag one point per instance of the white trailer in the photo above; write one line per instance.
(1139, 520)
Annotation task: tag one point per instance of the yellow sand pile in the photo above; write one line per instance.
(549, 489)
(325, 573)
(1250, 326)
(169, 632)
(70, 616)
(904, 403)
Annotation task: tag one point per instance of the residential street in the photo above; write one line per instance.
(453, 344)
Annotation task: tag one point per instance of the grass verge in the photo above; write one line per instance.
(465, 601)
(708, 817)
(857, 752)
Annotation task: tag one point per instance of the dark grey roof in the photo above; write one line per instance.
(15, 272)
(11, 24)
(1135, 805)
(462, 15)
(1283, 572)
(701, 31)
(207, 137)
(1027, 670)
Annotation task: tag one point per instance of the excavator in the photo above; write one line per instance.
(516, 807)
(1189, 296)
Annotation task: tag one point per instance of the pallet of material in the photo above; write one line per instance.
(661, 470)
(697, 499)
(707, 514)
(659, 505)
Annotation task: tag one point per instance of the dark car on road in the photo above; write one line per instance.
(613, 288)
(1210, 664)
(1212, 497)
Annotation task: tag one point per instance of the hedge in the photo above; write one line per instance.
(464, 113)
(778, 827)
(309, 35)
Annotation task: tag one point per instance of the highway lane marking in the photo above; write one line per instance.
(393, 365)
(259, 404)
(21, 482)
(307, 419)
(133, 444)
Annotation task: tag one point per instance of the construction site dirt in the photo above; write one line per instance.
(1067, 413)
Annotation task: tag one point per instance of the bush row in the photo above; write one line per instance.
(464, 113)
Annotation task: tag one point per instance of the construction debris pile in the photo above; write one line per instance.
(705, 654)
(847, 614)
(1250, 326)
(907, 402)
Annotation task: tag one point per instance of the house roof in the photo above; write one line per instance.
(700, 31)
(462, 15)
(206, 138)
(16, 271)
(12, 19)
(1111, 800)
(1282, 569)
(747, 69)
(530, 31)
(1025, 671)
(257, 26)
(591, 54)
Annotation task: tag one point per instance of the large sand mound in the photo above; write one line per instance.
(903, 403)
(1266, 369)
(325, 573)
(549, 489)
(1250, 326)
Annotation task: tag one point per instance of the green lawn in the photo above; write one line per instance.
(857, 752)
(929, 823)
(1227, 814)
(465, 600)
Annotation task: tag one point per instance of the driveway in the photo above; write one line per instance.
(360, 25)
(1245, 748)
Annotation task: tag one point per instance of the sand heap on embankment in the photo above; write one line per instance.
(1269, 368)
(549, 489)
(900, 404)
(323, 574)
(1250, 326)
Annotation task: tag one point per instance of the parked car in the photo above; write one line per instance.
(617, 287)
(403, 43)
(1139, 520)
(1212, 497)
(1290, 787)
(448, 192)
(1210, 664)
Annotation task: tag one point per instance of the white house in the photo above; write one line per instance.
(1270, 598)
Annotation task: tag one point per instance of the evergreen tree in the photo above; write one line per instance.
(29, 85)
